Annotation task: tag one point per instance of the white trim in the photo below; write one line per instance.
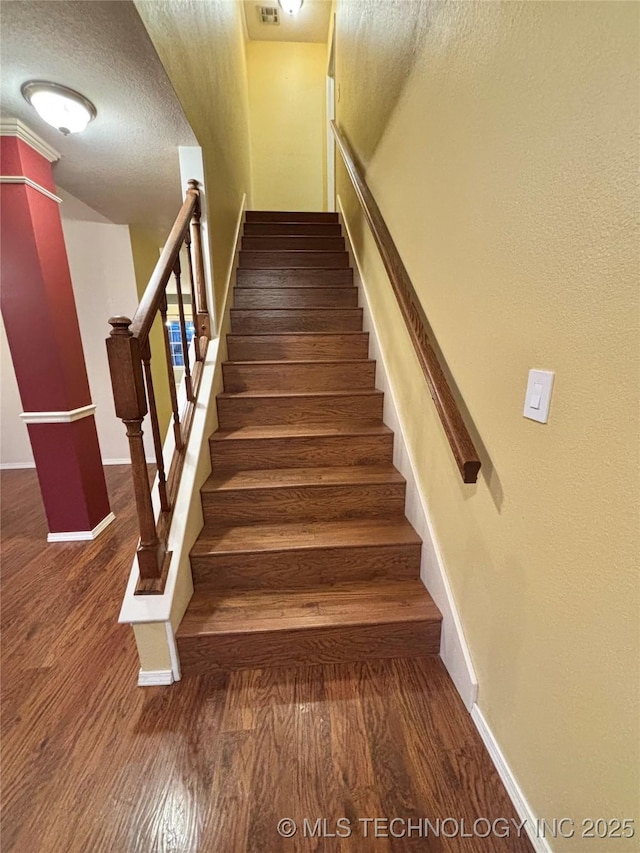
(15, 127)
(520, 803)
(235, 259)
(155, 677)
(173, 652)
(331, 143)
(22, 179)
(16, 466)
(82, 535)
(453, 646)
(58, 417)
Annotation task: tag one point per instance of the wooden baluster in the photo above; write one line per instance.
(155, 427)
(127, 379)
(183, 332)
(201, 311)
(192, 289)
(177, 431)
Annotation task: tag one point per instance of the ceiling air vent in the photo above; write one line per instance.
(268, 14)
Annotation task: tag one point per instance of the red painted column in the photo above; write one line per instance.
(39, 312)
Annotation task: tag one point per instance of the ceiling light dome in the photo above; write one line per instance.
(63, 108)
(291, 7)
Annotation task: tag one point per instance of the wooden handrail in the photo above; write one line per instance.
(462, 446)
(129, 353)
(150, 302)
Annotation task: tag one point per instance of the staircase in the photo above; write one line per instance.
(305, 556)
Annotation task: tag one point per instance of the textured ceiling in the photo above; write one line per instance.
(310, 24)
(125, 165)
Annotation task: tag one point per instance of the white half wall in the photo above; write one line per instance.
(155, 618)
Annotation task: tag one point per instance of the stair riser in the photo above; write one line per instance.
(295, 278)
(339, 644)
(310, 229)
(233, 412)
(299, 377)
(296, 243)
(282, 347)
(297, 260)
(309, 503)
(265, 453)
(289, 216)
(247, 321)
(295, 297)
(297, 569)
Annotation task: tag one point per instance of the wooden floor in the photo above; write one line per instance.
(92, 763)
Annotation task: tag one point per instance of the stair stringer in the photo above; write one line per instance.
(454, 650)
(155, 618)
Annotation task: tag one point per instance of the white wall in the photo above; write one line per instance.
(192, 166)
(15, 450)
(101, 265)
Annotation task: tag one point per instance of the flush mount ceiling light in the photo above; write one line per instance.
(291, 7)
(66, 110)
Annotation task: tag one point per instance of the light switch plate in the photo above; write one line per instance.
(538, 397)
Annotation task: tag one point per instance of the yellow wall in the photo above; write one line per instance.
(287, 106)
(201, 46)
(500, 141)
(145, 249)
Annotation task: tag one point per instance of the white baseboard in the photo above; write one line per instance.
(10, 466)
(155, 678)
(16, 466)
(453, 647)
(81, 535)
(187, 518)
(522, 807)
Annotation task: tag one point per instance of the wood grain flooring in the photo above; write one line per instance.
(93, 764)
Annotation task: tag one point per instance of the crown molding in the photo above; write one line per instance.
(15, 127)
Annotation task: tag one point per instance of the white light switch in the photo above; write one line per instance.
(538, 396)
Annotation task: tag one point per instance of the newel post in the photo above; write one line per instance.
(125, 366)
(201, 309)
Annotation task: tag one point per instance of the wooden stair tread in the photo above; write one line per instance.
(302, 255)
(249, 538)
(303, 308)
(297, 242)
(274, 478)
(295, 277)
(308, 295)
(292, 334)
(320, 430)
(357, 392)
(353, 604)
(286, 229)
(305, 288)
(302, 362)
(289, 216)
